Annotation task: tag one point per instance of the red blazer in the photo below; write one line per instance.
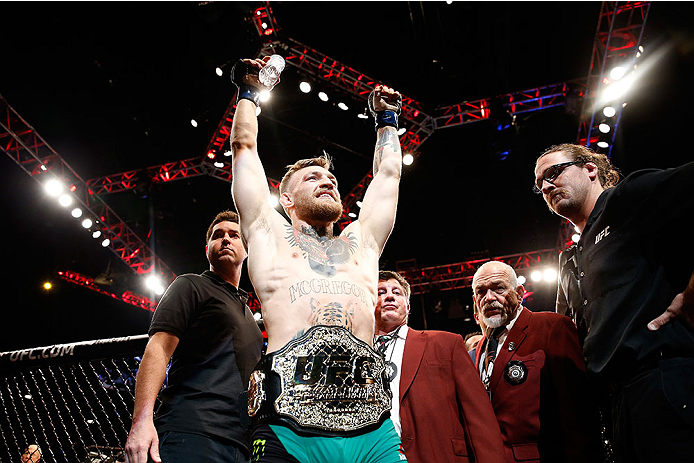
(549, 416)
(445, 412)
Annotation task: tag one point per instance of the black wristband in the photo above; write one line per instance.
(248, 92)
(386, 118)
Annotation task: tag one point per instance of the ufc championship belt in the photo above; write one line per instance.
(327, 382)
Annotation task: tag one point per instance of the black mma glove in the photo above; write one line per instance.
(245, 90)
(386, 117)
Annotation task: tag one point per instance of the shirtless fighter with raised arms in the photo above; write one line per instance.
(321, 381)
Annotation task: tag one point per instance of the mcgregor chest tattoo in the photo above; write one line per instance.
(323, 254)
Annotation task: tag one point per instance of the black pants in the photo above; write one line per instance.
(653, 415)
(181, 447)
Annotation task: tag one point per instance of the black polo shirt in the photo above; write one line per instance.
(219, 345)
(633, 257)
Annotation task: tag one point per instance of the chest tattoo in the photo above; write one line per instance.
(323, 253)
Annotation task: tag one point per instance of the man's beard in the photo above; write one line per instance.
(498, 320)
(319, 210)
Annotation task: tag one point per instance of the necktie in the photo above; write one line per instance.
(492, 345)
(382, 342)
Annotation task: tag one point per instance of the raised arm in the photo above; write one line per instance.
(377, 215)
(249, 184)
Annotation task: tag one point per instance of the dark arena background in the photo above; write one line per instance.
(102, 97)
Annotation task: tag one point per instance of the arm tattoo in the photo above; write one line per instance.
(387, 137)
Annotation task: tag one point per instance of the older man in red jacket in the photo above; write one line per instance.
(440, 408)
(532, 367)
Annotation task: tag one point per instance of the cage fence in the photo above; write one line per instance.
(68, 402)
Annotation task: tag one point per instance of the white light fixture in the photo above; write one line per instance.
(408, 159)
(323, 96)
(352, 215)
(362, 116)
(603, 144)
(305, 87)
(65, 200)
(154, 283)
(219, 72)
(106, 242)
(549, 275)
(96, 234)
(257, 316)
(218, 164)
(521, 280)
(342, 106)
(536, 275)
(257, 111)
(193, 122)
(76, 212)
(609, 111)
(264, 95)
(401, 131)
(87, 223)
(53, 187)
(575, 237)
(604, 128)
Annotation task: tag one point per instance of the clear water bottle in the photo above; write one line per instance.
(270, 73)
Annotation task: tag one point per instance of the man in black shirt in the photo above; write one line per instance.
(628, 285)
(204, 325)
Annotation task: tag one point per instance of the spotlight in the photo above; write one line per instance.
(603, 144)
(536, 275)
(47, 286)
(617, 72)
(362, 115)
(323, 96)
(609, 111)
(401, 131)
(257, 316)
(193, 122)
(65, 200)
(305, 87)
(407, 159)
(359, 203)
(257, 111)
(96, 234)
(106, 242)
(76, 212)
(53, 187)
(218, 164)
(219, 72)
(87, 223)
(575, 238)
(227, 153)
(549, 275)
(342, 106)
(521, 280)
(154, 283)
(603, 127)
(264, 95)
(352, 215)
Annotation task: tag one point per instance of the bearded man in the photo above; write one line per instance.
(532, 367)
(320, 393)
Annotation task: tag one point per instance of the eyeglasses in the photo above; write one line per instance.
(551, 173)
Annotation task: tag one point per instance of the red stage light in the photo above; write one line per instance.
(211, 154)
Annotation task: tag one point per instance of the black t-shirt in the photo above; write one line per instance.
(633, 257)
(219, 346)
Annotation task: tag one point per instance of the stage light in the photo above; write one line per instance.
(76, 212)
(273, 201)
(359, 203)
(401, 131)
(617, 72)
(609, 111)
(227, 153)
(87, 223)
(362, 115)
(305, 87)
(575, 237)
(257, 111)
(604, 128)
(154, 283)
(549, 275)
(342, 106)
(96, 234)
(65, 200)
(536, 275)
(264, 95)
(219, 72)
(53, 187)
(257, 316)
(603, 144)
(47, 286)
(521, 280)
(106, 242)
(193, 122)
(408, 159)
(352, 215)
(323, 96)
